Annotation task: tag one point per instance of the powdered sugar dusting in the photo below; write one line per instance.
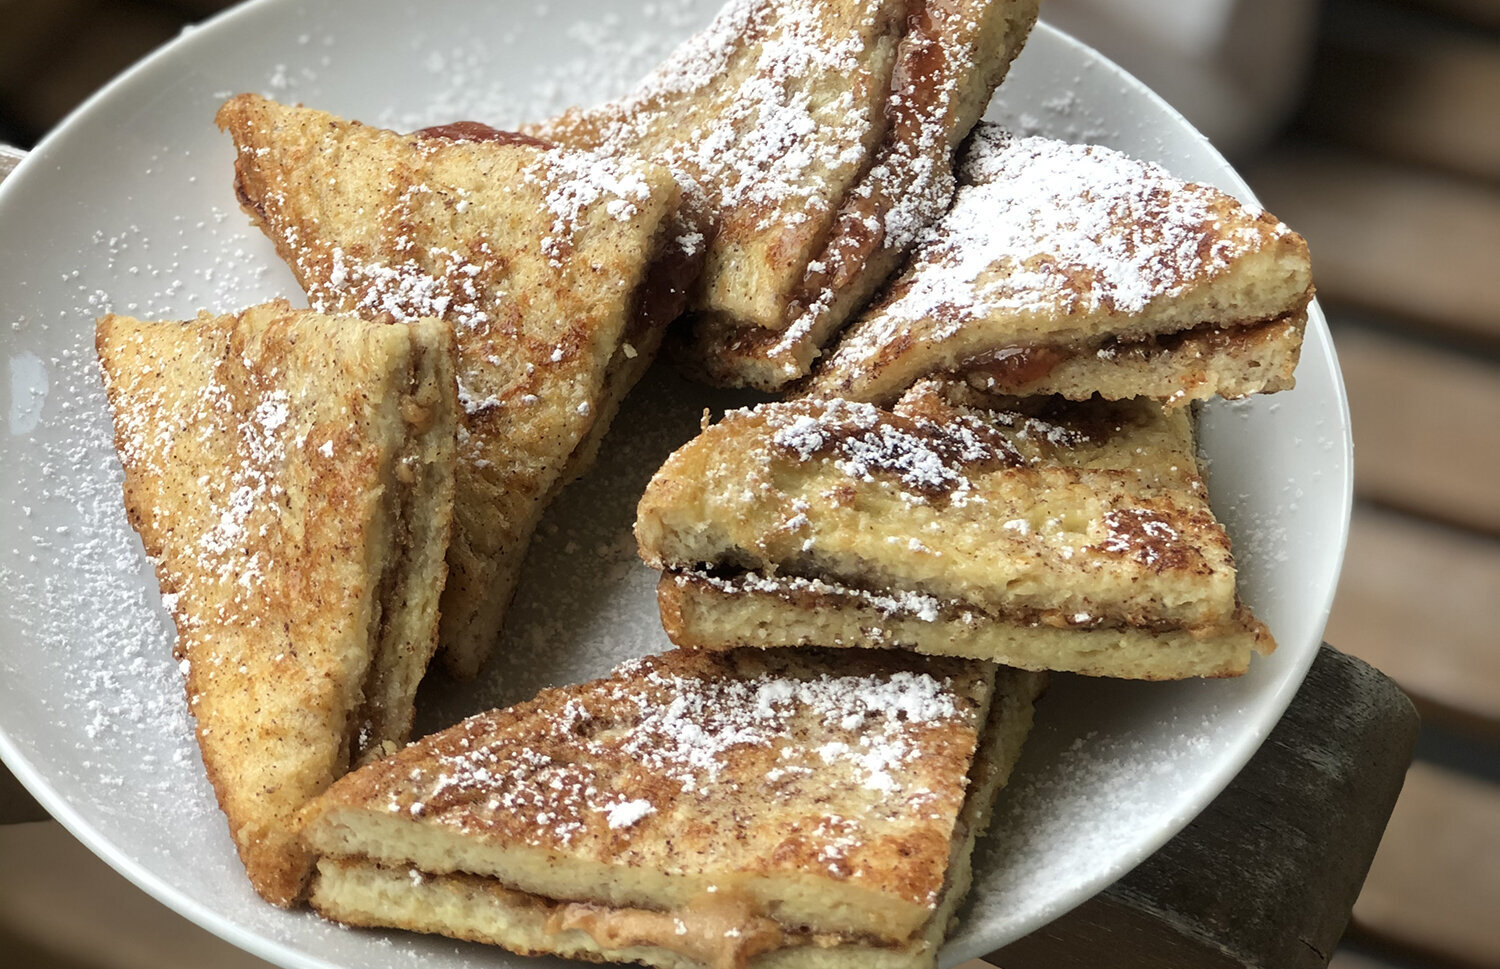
(927, 459)
(904, 603)
(1044, 226)
(909, 185)
(149, 429)
(445, 287)
(673, 733)
(626, 813)
(458, 281)
(768, 142)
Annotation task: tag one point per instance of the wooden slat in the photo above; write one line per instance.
(1345, 958)
(1426, 96)
(1415, 600)
(58, 897)
(1434, 887)
(1408, 244)
(1266, 875)
(1426, 426)
(102, 40)
(1483, 12)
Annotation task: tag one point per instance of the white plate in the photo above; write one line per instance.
(128, 206)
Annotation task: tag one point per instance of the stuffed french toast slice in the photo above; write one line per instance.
(1075, 270)
(292, 476)
(950, 60)
(559, 270)
(730, 810)
(1042, 534)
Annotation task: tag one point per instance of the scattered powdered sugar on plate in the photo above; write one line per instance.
(79, 589)
(585, 599)
(603, 57)
(92, 701)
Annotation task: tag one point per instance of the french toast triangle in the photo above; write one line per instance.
(559, 270)
(1039, 534)
(745, 808)
(1074, 270)
(768, 117)
(292, 476)
(948, 64)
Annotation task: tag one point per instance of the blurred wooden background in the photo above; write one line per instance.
(1391, 169)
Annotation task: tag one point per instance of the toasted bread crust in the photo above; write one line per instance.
(1071, 538)
(539, 256)
(1069, 263)
(636, 790)
(360, 892)
(950, 59)
(965, 738)
(260, 451)
(768, 116)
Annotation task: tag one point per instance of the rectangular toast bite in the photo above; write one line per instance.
(558, 269)
(1039, 534)
(722, 809)
(1075, 270)
(292, 476)
(949, 61)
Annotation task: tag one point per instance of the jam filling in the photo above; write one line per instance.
(478, 131)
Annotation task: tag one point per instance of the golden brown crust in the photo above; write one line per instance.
(952, 56)
(540, 258)
(824, 785)
(720, 930)
(1060, 538)
(1082, 270)
(259, 453)
(768, 116)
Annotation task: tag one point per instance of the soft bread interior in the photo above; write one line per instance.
(716, 936)
(725, 612)
(418, 505)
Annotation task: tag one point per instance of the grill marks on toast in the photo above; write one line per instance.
(543, 259)
(292, 476)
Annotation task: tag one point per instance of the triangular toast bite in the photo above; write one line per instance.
(1059, 536)
(732, 809)
(948, 64)
(558, 269)
(1074, 270)
(768, 117)
(292, 476)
